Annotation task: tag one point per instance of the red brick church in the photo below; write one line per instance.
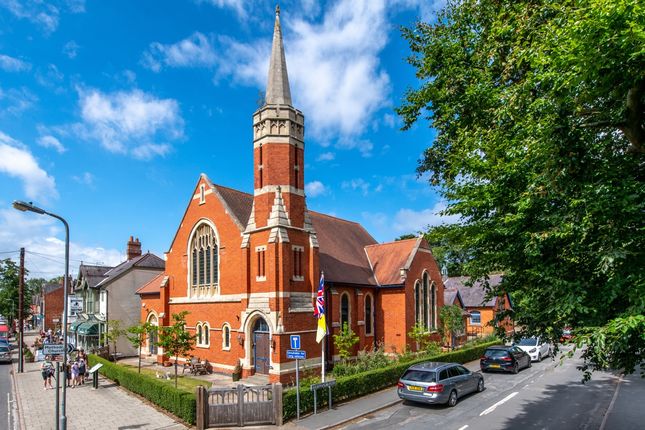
(246, 266)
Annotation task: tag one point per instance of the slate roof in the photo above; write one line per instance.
(389, 258)
(343, 253)
(93, 275)
(144, 261)
(48, 288)
(473, 296)
(154, 285)
(450, 296)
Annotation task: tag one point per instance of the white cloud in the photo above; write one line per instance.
(45, 14)
(357, 184)
(71, 49)
(326, 156)
(411, 221)
(315, 189)
(86, 179)
(18, 162)
(50, 77)
(238, 6)
(129, 122)
(16, 101)
(51, 142)
(11, 64)
(194, 51)
(43, 238)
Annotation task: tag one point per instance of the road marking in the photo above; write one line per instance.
(463, 428)
(501, 402)
(611, 404)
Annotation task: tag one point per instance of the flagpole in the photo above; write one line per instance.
(323, 358)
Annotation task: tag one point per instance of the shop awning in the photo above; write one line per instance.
(75, 324)
(88, 328)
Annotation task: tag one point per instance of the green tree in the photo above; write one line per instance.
(449, 247)
(539, 115)
(344, 341)
(452, 322)
(9, 283)
(175, 340)
(420, 335)
(137, 336)
(113, 334)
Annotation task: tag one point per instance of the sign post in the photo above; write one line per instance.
(298, 355)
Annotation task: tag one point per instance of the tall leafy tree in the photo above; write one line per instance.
(539, 108)
(9, 284)
(175, 340)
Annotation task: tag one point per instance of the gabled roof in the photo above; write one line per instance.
(387, 259)
(473, 296)
(451, 296)
(93, 275)
(145, 261)
(154, 285)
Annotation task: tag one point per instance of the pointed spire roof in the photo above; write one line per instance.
(278, 92)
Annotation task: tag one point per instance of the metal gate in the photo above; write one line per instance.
(239, 406)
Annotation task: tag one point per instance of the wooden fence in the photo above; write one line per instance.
(239, 406)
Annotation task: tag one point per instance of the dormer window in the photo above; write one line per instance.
(204, 262)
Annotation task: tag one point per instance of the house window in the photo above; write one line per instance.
(204, 265)
(344, 310)
(202, 194)
(417, 303)
(260, 252)
(433, 307)
(425, 315)
(226, 337)
(199, 333)
(203, 334)
(297, 252)
(369, 315)
(475, 318)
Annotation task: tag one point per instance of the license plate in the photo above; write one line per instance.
(414, 388)
(495, 366)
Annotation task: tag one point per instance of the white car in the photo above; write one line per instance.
(534, 348)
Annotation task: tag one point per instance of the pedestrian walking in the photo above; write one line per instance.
(47, 371)
(81, 370)
(75, 380)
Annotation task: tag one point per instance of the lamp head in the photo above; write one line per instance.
(24, 207)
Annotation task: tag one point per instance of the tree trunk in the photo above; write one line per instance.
(139, 357)
(175, 371)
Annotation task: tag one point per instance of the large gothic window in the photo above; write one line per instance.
(204, 265)
(426, 322)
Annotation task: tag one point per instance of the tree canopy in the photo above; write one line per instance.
(539, 109)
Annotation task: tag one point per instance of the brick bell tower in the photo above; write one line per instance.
(279, 238)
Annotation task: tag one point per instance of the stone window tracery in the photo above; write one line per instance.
(204, 265)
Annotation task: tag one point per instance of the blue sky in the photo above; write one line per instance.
(110, 110)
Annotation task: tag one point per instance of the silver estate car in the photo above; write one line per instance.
(433, 382)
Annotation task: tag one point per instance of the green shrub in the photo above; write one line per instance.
(360, 384)
(178, 402)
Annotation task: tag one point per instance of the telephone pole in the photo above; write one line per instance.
(21, 305)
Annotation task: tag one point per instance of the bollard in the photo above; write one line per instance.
(95, 379)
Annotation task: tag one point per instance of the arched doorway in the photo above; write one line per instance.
(261, 346)
(152, 334)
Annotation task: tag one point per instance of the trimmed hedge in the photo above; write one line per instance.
(360, 384)
(178, 402)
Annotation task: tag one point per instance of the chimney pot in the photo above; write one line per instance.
(134, 248)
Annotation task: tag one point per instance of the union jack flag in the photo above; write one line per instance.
(320, 297)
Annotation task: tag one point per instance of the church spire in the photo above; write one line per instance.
(278, 92)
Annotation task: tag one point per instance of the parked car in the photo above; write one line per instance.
(5, 342)
(536, 349)
(433, 382)
(567, 335)
(506, 358)
(5, 354)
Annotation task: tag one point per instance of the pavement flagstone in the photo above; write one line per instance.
(109, 407)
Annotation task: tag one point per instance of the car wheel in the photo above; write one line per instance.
(480, 385)
(539, 357)
(452, 400)
(516, 368)
(530, 364)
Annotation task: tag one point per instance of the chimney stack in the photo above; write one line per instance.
(134, 248)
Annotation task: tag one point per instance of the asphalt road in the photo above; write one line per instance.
(5, 387)
(546, 396)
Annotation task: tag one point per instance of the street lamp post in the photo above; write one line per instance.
(24, 206)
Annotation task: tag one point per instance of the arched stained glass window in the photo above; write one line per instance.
(425, 301)
(204, 253)
(369, 314)
(344, 310)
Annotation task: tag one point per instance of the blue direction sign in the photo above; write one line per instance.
(296, 354)
(295, 341)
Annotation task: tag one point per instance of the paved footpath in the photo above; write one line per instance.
(109, 407)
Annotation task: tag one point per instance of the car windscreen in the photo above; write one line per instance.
(495, 353)
(528, 341)
(4, 349)
(420, 376)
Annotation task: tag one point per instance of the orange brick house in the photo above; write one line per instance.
(246, 266)
(482, 311)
